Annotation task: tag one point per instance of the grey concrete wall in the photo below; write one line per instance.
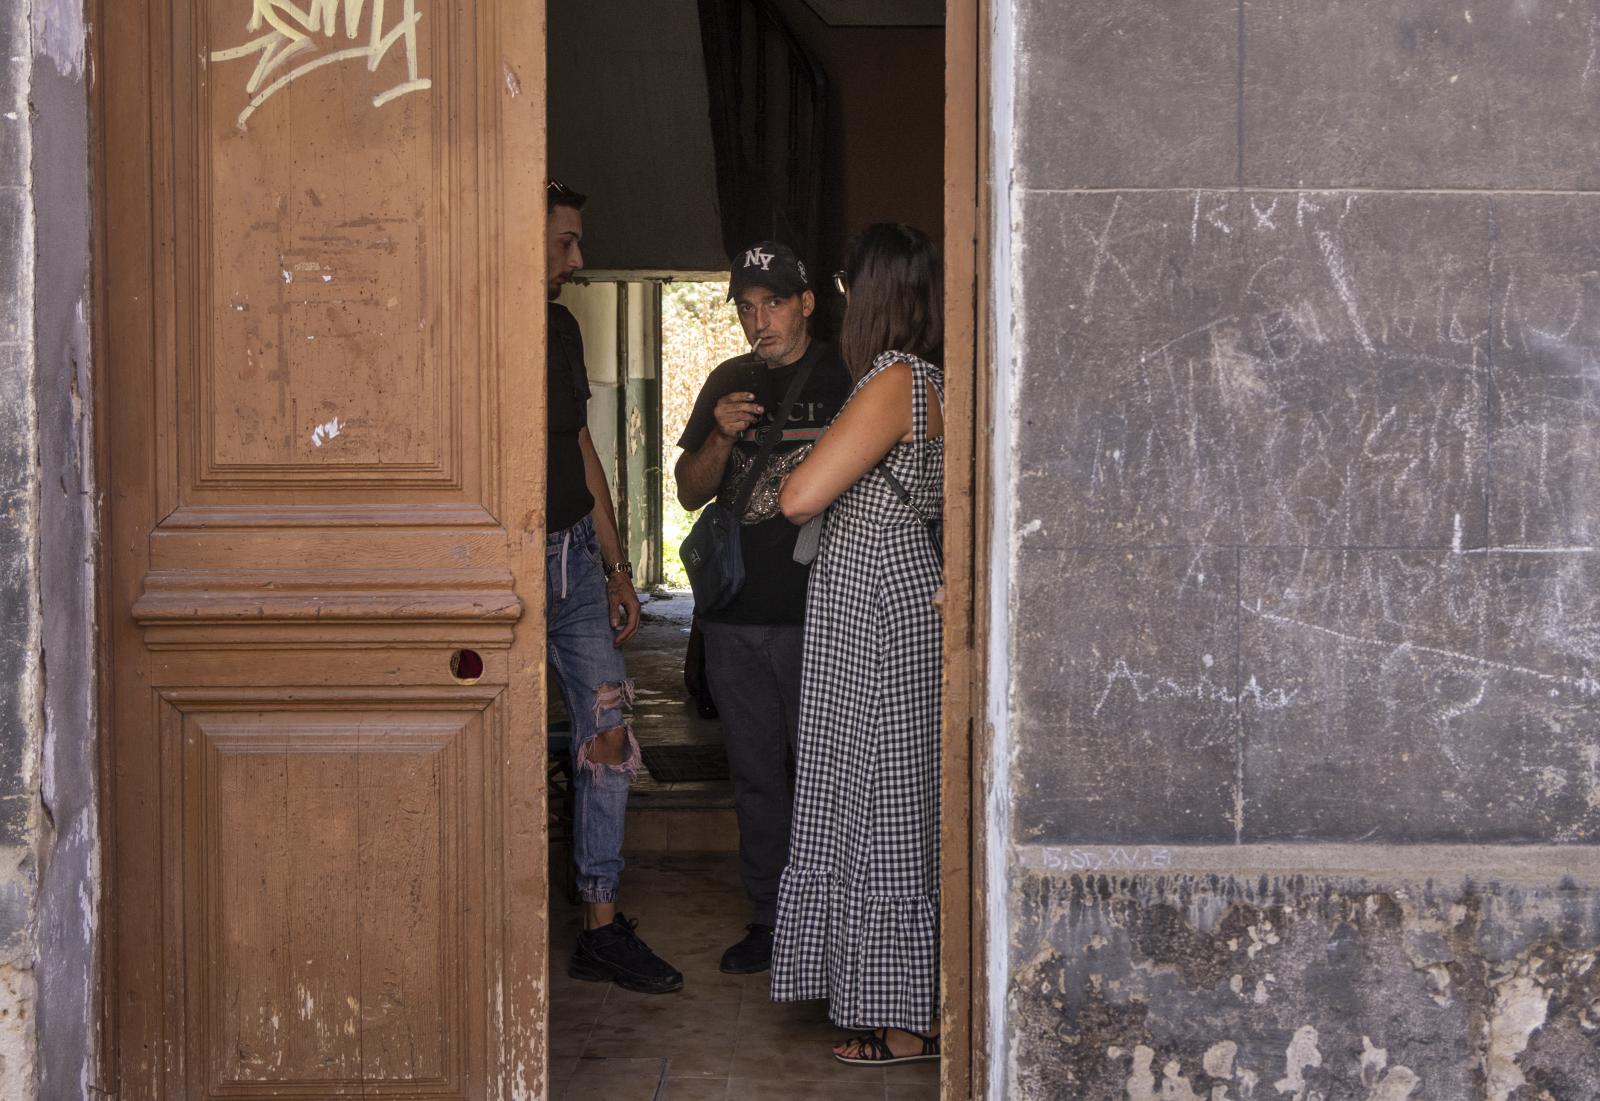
(49, 838)
(21, 702)
(69, 867)
(1304, 682)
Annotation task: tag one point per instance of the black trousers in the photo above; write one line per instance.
(755, 679)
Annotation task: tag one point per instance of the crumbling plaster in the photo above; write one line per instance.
(1304, 986)
(68, 922)
(21, 686)
(49, 894)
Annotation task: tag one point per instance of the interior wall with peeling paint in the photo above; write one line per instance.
(1304, 551)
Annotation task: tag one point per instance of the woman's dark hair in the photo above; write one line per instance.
(896, 283)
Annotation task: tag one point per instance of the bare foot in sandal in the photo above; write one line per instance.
(883, 1047)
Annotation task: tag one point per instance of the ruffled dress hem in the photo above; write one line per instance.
(898, 934)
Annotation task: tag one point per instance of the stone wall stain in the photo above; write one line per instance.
(21, 671)
(1302, 987)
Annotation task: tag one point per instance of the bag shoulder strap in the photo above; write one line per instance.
(935, 539)
(900, 490)
(773, 433)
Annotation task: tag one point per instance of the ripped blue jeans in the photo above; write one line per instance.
(592, 679)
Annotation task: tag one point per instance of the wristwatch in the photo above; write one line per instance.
(618, 567)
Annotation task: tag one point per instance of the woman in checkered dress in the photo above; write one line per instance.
(858, 906)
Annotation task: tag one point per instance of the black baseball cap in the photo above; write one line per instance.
(770, 264)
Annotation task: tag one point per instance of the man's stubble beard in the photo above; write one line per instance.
(784, 356)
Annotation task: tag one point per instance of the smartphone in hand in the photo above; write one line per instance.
(754, 376)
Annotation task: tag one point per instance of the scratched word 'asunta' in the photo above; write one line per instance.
(293, 32)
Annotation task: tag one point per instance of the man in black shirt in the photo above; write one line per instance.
(591, 609)
(753, 644)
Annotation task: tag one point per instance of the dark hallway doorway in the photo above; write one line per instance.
(630, 88)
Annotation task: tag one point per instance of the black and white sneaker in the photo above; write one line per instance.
(614, 953)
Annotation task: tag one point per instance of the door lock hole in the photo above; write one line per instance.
(466, 666)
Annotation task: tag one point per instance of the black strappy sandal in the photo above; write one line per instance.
(875, 1052)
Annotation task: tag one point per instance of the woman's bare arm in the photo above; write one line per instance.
(874, 420)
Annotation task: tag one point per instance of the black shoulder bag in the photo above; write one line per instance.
(711, 553)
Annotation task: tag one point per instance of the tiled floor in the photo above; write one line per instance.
(721, 1036)
(663, 713)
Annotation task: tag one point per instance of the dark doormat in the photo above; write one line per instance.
(672, 764)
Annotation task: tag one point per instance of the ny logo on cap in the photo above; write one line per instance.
(755, 256)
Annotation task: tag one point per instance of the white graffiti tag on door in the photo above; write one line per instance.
(293, 32)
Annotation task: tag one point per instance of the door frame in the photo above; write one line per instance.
(965, 761)
(965, 765)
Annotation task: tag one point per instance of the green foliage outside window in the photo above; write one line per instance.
(699, 330)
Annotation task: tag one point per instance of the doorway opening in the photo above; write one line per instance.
(699, 330)
(796, 120)
(657, 336)
(650, 340)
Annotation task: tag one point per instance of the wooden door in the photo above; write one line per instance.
(322, 390)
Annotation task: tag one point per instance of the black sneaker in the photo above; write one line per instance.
(614, 953)
(750, 955)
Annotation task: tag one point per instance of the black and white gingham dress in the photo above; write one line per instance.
(858, 908)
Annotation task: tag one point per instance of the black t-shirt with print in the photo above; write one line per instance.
(775, 584)
(568, 499)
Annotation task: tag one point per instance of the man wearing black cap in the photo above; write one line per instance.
(753, 644)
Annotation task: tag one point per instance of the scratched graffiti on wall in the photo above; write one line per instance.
(293, 32)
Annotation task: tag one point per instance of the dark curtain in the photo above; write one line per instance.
(768, 109)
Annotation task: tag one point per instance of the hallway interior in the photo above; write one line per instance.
(721, 1037)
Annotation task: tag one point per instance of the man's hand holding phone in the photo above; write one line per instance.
(736, 412)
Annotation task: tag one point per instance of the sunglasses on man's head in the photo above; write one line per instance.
(557, 188)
